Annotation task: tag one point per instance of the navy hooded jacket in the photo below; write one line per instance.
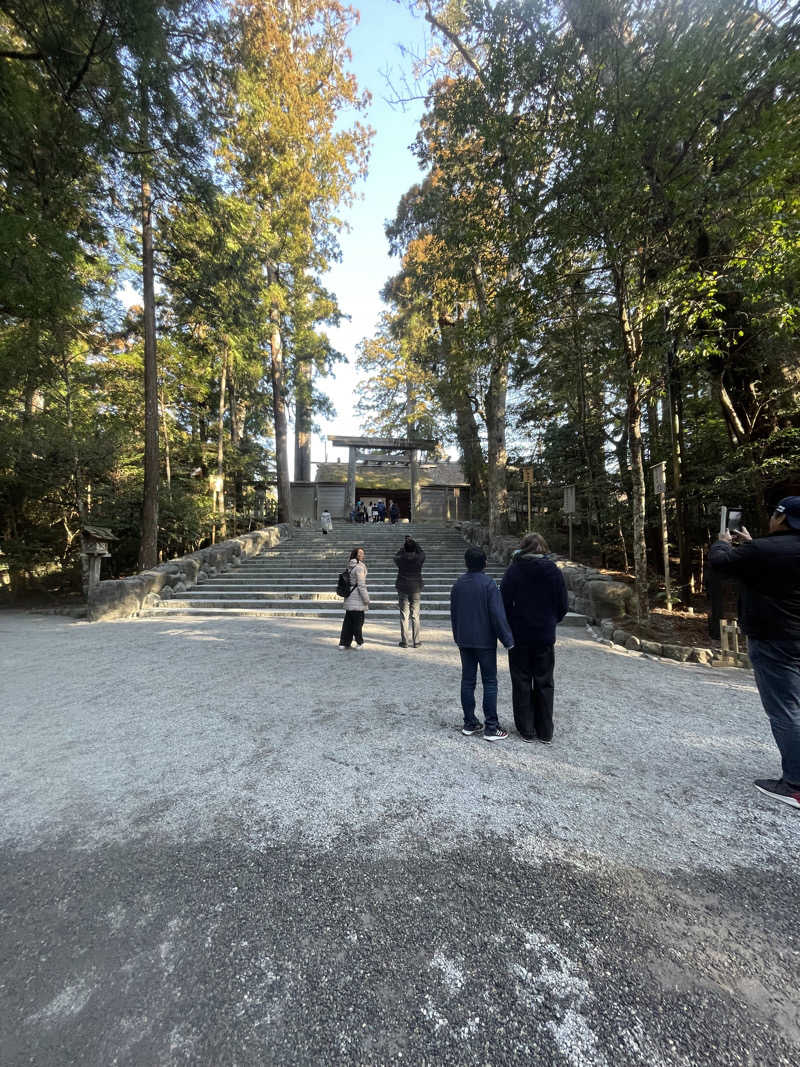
(535, 598)
(476, 612)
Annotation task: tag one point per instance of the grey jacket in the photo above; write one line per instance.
(358, 600)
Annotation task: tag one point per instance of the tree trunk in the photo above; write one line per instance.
(238, 413)
(167, 457)
(220, 491)
(457, 400)
(621, 452)
(279, 410)
(302, 420)
(470, 444)
(415, 490)
(497, 457)
(653, 428)
(675, 411)
(632, 341)
(148, 550)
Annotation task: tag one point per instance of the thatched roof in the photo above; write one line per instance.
(389, 476)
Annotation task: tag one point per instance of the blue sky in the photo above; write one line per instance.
(366, 263)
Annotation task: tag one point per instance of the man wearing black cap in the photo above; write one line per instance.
(768, 569)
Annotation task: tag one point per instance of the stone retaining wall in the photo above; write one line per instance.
(591, 592)
(612, 634)
(124, 598)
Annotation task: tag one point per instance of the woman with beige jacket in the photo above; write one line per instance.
(356, 603)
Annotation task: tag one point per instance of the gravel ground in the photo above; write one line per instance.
(226, 842)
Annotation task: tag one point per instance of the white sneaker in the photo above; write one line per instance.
(342, 648)
(358, 647)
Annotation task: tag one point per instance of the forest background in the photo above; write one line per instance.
(599, 270)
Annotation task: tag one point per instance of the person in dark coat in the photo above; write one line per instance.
(356, 603)
(478, 620)
(394, 512)
(535, 598)
(768, 570)
(409, 586)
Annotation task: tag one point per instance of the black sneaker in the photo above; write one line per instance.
(542, 741)
(402, 644)
(468, 731)
(527, 740)
(498, 735)
(779, 789)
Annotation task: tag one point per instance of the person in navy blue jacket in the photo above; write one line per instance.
(478, 620)
(535, 598)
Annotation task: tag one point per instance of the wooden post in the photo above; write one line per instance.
(94, 571)
(569, 507)
(665, 546)
(660, 487)
(529, 507)
(350, 495)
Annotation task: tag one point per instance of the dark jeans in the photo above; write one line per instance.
(531, 669)
(409, 607)
(486, 659)
(352, 628)
(776, 665)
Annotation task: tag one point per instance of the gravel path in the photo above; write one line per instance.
(227, 842)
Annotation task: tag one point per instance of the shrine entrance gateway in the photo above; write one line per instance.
(397, 452)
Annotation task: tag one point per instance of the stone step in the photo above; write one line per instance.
(327, 573)
(215, 586)
(248, 599)
(317, 610)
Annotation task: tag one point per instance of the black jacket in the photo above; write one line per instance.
(768, 569)
(535, 598)
(409, 571)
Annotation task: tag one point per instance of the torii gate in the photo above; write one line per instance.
(403, 452)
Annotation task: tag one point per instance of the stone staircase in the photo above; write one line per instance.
(298, 576)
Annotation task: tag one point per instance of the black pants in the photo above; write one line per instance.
(352, 628)
(531, 670)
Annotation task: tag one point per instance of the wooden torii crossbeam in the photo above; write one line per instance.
(400, 444)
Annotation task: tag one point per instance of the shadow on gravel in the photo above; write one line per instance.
(212, 954)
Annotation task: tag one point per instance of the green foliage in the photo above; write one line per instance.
(229, 114)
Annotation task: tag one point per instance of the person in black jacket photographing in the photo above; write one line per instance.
(768, 570)
(409, 586)
(535, 598)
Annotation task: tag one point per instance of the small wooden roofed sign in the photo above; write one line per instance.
(96, 540)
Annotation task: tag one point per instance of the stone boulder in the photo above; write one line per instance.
(652, 648)
(116, 599)
(609, 600)
(156, 579)
(702, 655)
(682, 653)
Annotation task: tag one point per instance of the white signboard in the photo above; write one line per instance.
(660, 477)
(569, 499)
